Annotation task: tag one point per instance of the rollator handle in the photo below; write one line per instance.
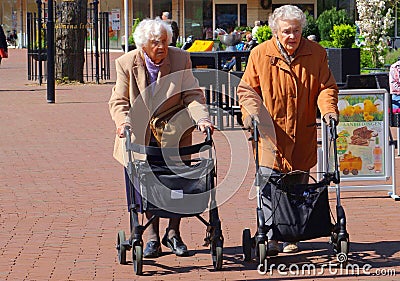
(208, 132)
(332, 125)
(127, 133)
(255, 130)
(334, 136)
(257, 160)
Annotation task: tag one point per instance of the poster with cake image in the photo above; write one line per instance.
(360, 142)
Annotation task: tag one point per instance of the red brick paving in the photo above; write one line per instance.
(63, 201)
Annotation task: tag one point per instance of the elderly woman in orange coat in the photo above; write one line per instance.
(286, 79)
(151, 80)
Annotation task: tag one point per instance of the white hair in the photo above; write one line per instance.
(151, 29)
(286, 12)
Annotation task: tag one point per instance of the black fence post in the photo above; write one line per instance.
(50, 54)
(39, 43)
(96, 37)
(29, 19)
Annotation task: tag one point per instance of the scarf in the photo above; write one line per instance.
(152, 68)
(283, 52)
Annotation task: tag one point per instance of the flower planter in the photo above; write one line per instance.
(343, 61)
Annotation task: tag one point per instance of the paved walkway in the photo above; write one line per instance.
(62, 199)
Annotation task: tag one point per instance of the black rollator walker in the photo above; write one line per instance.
(299, 211)
(170, 187)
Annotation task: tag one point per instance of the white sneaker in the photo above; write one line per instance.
(273, 248)
(289, 247)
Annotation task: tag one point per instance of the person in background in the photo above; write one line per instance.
(286, 79)
(257, 25)
(208, 33)
(251, 42)
(3, 45)
(143, 89)
(394, 84)
(312, 37)
(165, 16)
(174, 26)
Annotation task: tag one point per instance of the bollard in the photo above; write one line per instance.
(39, 7)
(96, 37)
(50, 54)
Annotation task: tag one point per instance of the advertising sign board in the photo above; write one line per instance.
(362, 143)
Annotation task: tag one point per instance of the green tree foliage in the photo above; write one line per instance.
(365, 58)
(343, 35)
(243, 28)
(263, 33)
(311, 26)
(136, 22)
(326, 43)
(328, 19)
(392, 57)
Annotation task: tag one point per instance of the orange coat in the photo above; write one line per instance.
(286, 99)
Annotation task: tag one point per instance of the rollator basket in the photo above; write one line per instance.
(299, 212)
(170, 190)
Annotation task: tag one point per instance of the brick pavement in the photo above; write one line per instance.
(62, 198)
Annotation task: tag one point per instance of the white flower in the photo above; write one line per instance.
(375, 21)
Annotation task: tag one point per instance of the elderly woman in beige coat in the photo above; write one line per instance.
(286, 79)
(150, 80)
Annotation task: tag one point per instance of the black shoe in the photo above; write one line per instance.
(152, 250)
(176, 245)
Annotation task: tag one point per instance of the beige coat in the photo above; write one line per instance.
(132, 101)
(288, 96)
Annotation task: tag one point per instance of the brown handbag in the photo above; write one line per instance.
(170, 126)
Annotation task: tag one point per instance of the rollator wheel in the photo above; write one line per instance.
(137, 259)
(246, 244)
(217, 254)
(120, 247)
(343, 252)
(262, 255)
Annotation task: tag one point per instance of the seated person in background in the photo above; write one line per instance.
(251, 42)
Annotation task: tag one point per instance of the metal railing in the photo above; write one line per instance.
(97, 46)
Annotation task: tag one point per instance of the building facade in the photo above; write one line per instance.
(194, 17)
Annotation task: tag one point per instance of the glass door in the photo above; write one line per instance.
(226, 16)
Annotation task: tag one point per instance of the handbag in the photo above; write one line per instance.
(299, 212)
(3, 53)
(170, 126)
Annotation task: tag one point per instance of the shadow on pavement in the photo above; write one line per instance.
(317, 256)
